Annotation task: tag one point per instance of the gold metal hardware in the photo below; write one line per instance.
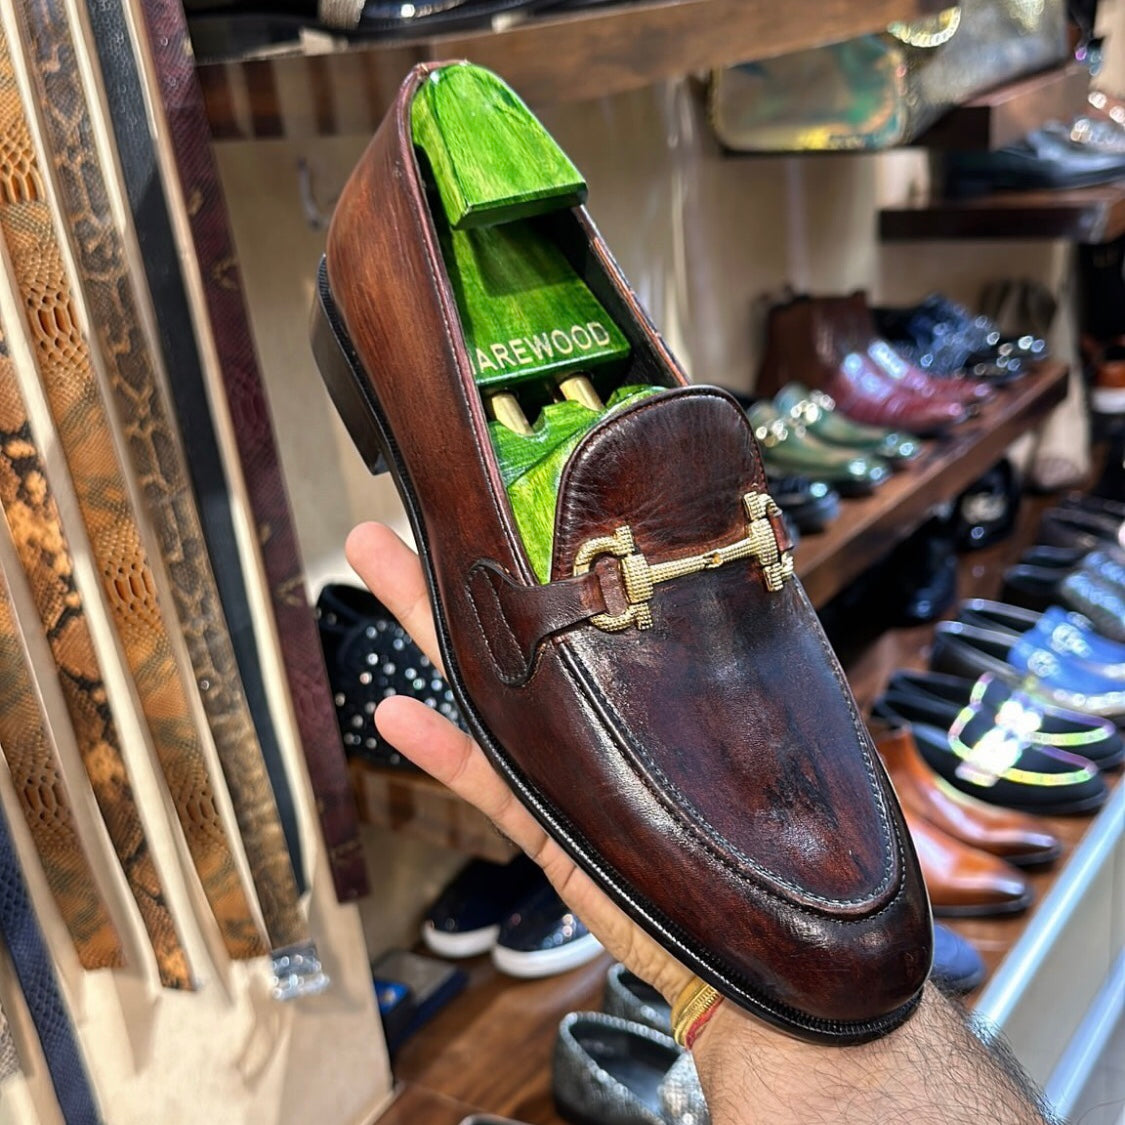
(640, 577)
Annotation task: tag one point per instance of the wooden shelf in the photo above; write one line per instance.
(416, 804)
(1093, 214)
(868, 528)
(865, 531)
(586, 54)
(1004, 115)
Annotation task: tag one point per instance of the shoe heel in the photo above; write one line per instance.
(343, 376)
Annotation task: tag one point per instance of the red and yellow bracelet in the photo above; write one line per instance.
(695, 1005)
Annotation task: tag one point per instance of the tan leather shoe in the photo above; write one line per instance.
(1006, 833)
(965, 882)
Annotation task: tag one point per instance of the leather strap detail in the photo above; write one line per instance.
(37, 778)
(31, 959)
(516, 619)
(63, 359)
(154, 447)
(188, 132)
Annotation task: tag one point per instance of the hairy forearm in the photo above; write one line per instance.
(932, 1070)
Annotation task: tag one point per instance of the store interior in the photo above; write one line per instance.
(747, 254)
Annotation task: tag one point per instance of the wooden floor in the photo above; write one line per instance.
(490, 1050)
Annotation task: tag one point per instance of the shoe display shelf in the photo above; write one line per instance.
(328, 85)
(1090, 215)
(1054, 980)
(1007, 113)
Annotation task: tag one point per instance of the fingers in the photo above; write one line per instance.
(392, 572)
(435, 745)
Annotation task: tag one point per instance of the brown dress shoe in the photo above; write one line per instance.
(964, 882)
(805, 343)
(854, 331)
(665, 704)
(1006, 833)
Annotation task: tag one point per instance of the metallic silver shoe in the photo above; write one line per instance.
(630, 998)
(610, 1071)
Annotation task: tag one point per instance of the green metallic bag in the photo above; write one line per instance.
(884, 90)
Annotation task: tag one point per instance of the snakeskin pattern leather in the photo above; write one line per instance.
(187, 130)
(37, 779)
(86, 440)
(158, 462)
(44, 554)
(9, 1060)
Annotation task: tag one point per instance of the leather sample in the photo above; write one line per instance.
(185, 378)
(31, 959)
(744, 824)
(190, 138)
(85, 437)
(46, 805)
(158, 463)
(44, 554)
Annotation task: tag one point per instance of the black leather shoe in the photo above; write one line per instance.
(1074, 527)
(809, 505)
(937, 700)
(543, 937)
(465, 919)
(369, 656)
(995, 765)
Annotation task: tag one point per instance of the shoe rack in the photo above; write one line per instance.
(329, 86)
(490, 1049)
(1092, 214)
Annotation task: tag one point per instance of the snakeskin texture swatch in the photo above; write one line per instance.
(139, 398)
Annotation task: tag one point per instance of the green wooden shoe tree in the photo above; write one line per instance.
(534, 330)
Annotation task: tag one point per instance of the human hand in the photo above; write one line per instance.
(393, 573)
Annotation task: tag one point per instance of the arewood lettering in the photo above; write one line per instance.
(528, 351)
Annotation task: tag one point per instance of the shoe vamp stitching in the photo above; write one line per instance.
(721, 848)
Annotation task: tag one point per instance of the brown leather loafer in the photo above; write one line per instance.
(665, 702)
(1006, 833)
(964, 882)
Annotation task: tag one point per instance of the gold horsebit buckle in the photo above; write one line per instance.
(640, 577)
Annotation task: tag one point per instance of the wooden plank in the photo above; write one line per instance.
(555, 58)
(868, 528)
(1003, 115)
(1093, 214)
(421, 807)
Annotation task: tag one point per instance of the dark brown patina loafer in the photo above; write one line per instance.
(660, 695)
